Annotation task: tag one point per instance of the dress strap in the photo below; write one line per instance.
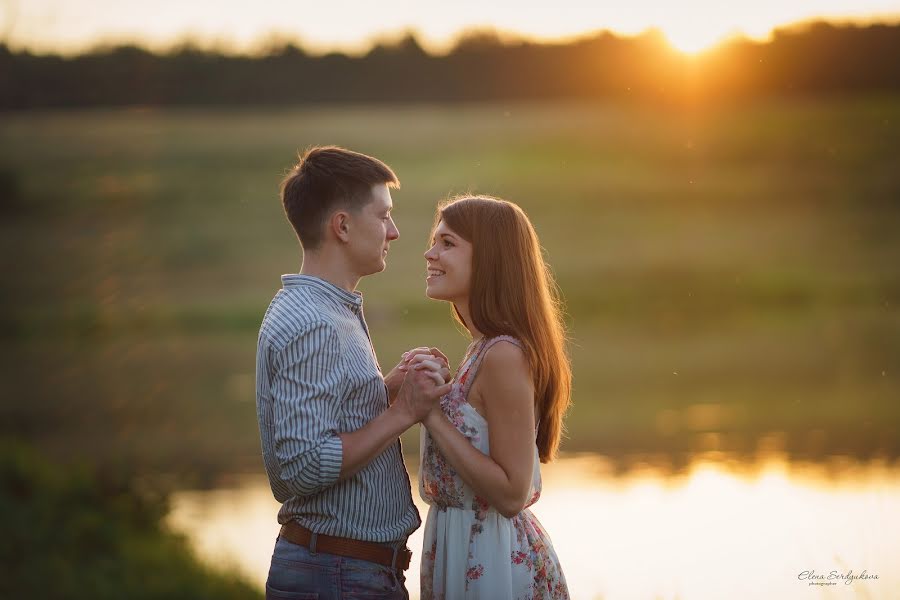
(472, 370)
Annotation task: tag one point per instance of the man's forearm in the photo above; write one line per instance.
(363, 445)
(391, 391)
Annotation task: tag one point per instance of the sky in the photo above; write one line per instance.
(69, 26)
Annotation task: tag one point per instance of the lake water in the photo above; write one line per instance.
(719, 529)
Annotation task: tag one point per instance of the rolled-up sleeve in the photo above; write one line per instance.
(307, 385)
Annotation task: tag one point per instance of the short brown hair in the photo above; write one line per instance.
(327, 178)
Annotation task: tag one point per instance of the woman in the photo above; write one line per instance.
(482, 445)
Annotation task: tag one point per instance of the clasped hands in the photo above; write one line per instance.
(418, 382)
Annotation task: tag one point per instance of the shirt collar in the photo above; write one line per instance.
(353, 300)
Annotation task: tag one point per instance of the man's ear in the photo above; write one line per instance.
(340, 225)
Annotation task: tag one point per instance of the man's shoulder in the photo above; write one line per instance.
(293, 313)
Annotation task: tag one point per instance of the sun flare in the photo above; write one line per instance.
(693, 38)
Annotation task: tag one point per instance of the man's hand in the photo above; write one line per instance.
(394, 379)
(420, 391)
(418, 383)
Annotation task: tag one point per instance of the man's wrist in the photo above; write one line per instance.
(400, 415)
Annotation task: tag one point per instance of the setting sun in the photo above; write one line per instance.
(693, 38)
(704, 27)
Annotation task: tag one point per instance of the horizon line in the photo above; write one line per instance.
(269, 42)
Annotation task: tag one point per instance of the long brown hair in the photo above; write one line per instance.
(513, 292)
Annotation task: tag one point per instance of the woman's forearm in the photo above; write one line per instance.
(478, 470)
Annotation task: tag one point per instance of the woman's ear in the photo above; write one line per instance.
(340, 225)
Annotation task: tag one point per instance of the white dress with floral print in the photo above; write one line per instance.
(471, 551)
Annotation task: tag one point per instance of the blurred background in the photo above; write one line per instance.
(717, 190)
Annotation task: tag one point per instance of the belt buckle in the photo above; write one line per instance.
(398, 548)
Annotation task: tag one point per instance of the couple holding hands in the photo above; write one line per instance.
(330, 421)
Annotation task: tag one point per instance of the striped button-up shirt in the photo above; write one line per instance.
(317, 376)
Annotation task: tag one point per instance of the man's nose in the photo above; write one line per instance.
(393, 232)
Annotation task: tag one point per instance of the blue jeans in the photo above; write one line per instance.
(299, 574)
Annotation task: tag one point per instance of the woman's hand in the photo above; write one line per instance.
(419, 358)
(431, 359)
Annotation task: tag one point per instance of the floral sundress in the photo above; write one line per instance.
(470, 550)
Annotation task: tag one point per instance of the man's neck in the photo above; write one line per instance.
(330, 269)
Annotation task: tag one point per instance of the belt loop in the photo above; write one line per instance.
(312, 543)
(394, 557)
(396, 581)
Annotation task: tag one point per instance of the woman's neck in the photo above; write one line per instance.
(463, 309)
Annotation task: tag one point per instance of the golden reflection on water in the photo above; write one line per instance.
(721, 529)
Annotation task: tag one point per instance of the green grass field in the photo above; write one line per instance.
(730, 275)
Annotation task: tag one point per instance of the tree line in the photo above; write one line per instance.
(818, 58)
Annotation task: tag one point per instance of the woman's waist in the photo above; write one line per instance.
(476, 506)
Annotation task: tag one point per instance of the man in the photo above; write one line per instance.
(329, 421)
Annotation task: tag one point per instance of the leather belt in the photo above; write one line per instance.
(371, 551)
